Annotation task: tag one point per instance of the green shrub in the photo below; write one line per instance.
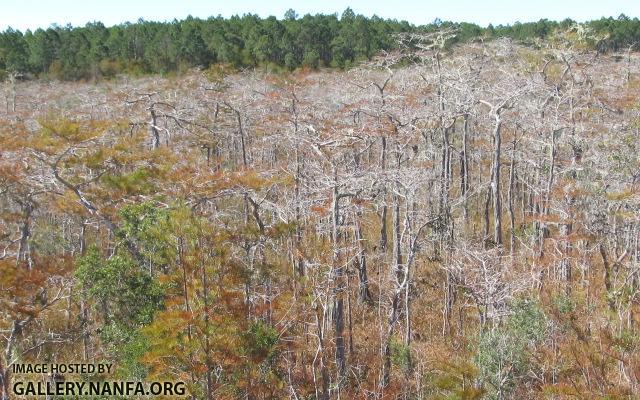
(261, 341)
(504, 353)
(401, 355)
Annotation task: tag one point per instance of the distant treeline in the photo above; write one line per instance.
(93, 51)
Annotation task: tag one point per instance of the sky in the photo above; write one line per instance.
(33, 14)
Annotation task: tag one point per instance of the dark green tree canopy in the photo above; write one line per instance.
(143, 47)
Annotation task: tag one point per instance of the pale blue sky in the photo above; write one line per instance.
(23, 14)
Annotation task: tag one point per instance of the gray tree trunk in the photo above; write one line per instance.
(495, 181)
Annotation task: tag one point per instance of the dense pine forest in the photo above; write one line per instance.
(452, 212)
(95, 51)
